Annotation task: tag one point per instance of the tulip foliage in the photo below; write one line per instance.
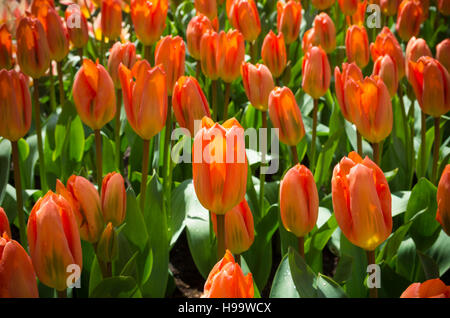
(265, 148)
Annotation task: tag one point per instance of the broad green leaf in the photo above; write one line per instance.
(135, 229)
(283, 285)
(5, 155)
(302, 275)
(116, 287)
(328, 288)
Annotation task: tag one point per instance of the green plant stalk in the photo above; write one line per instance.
(376, 153)
(62, 97)
(405, 126)
(226, 100)
(411, 143)
(220, 236)
(373, 292)
(52, 92)
(167, 160)
(145, 161)
(423, 136)
(254, 51)
(262, 176)
(359, 143)
(19, 195)
(314, 132)
(80, 54)
(148, 50)
(117, 128)
(198, 70)
(301, 246)
(436, 149)
(214, 88)
(37, 122)
(294, 155)
(98, 155)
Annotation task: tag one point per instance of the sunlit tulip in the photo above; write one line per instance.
(289, 19)
(325, 32)
(54, 240)
(443, 200)
(219, 168)
(361, 201)
(444, 7)
(114, 199)
(322, 4)
(409, 19)
(386, 43)
(124, 53)
(348, 7)
(6, 46)
(36, 4)
(389, 7)
(244, 16)
(149, 19)
(357, 45)
(258, 83)
(206, 7)
(415, 49)
(189, 102)
(194, 32)
(273, 53)
(309, 40)
(145, 98)
(170, 54)
(226, 280)
(299, 201)
(443, 53)
(77, 27)
(111, 18)
(432, 288)
(385, 68)
(359, 17)
(232, 48)
(94, 95)
(4, 224)
(316, 72)
(210, 54)
(108, 245)
(341, 81)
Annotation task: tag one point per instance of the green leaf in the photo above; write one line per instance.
(393, 242)
(354, 286)
(303, 276)
(328, 288)
(430, 268)
(5, 155)
(115, 287)
(400, 202)
(440, 252)
(180, 203)
(283, 286)
(135, 229)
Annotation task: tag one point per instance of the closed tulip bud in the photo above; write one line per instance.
(170, 53)
(232, 47)
(386, 43)
(219, 168)
(226, 280)
(244, 16)
(361, 201)
(289, 19)
(389, 7)
(4, 224)
(114, 199)
(322, 4)
(299, 201)
(206, 7)
(425, 6)
(357, 45)
(258, 83)
(149, 19)
(147, 116)
(108, 245)
(443, 53)
(210, 54)
(325, 32)
(444, 7)
(415, 49)
(273, 53)
(431, 83)
(385, 68)
(189, 102)
(348, 7)
(6, 60)
(15, 105)
(54, 240)
(94, 95)
(76, 27)
(432, 288)
(83, 197)
(309, 40)
(111, 21)
(33, 52)
(36, 4)
(358, 17)
(443, 200)
(349, 71)
(285, 116)
(194, 32)
(124, 53)
(316, 72)
(409, 19)
(239, 229)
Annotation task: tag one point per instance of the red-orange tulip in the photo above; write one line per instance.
(111, 21)
(219, 168)
(114, 199)
(170, 53)
(273, 53)
(432, 288)
(389, 7)
(386, 43)
(425, 6)
(149, 19)
(6, 46)
(443, 200)
(94, 95)
(194, 32)
(145, 98)
(232, 48)
(316, 72)
(415, 49)
(289, 19)
(285, 115)
(322, 4)
(124, 53)
(309, 40)
(409, 19)
(108, 245)
(360, 14)
(357, 45)
(4, 224)
(444, 7)
(361, 201)
(341, 81)
(443, 53)
(206, 7)
(77, 27)
(348, 7)
(210, 54)
(325, 32)
(54, 240)
(258, 83)
(244, 16)
(226, 280)
(385, 68)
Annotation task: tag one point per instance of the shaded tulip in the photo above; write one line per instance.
(244, 16)
(444, 7)
(431, 83)
(194, 32)
(425, 6)
(357, 45)
(170, 54)
(114, 199)
(359, 16)
(189, 103)
(83, 197)
(210, 54)
(415, 49)
(325, 32)
(15, 105)
(316, 72)
(341, 81)
(6, 46)
(409, 19)
(348, 7)
(386, 43)
(232, 48)
(389, 7)
(309, 40)
(432, 288)
(443, 200)
(111, 19)
(219, 168)
(273, 53)
(443, 53)
(385, 68)
(108, 245)
(4, 224)
(54, 240)
(145, 98)
(289, 19)
(206, 7)
(124, 53)
(299, 201)
(361, 201)
(322, 4)
(226, 280)
(94, 95)
(258, 83)
(239, 228)
(149, 19)
(33, 52)
(77, 27)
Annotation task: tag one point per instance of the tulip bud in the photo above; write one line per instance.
(425, 6)
(385, 68)
(147, 116)
(244, 16)
(443, 53)
(77, 27)
(325, 31)
(348, 7)
(219, 168)
(299, 201)
(258, 84)
(316, 72)
(386, 43)
(409, 19)
(309, 40)
(432, 288)
(444, 7)
(322, 4)
(189, 103)
(210, 54)
(357, 45)
(114, 199)
(415, 49)
(443, 200)
(285, 116)
(6, 60)
(54, 240)
(194, 32)
(361, 201)
(232, 48)
(358, 17)
(111, 18)
(124, 53)
(273, 53)
(108, 245)
(349, 71)
(226, 280)
(170, 53)
(94, 95)
(4, 224)
(149, 19)
(83, 197)
(289, 19)
(431, 83)
(33, 53)
(206, 7)
(36, 4)
(389, 7)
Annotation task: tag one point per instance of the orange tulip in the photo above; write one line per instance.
(15, 105)
(170, 54)
(325, 32)
(210, 54)
(361, 201)
(415, 49)
(114, 199)
(194, 32)
(385, 68)
(409, 19)
(94, 95)
(341, 81)
(54, 240)
(219, 168)
(124, 53)
(226, 280)
(149, 19)
(232, 48)
(299, 201)
(289, 19)
(6, 60)
(443, 200)
(444, 7)
(258, 83)
(309, 40)
(386, 43)
(189, 102)
(147, 116)
(425, 6)
(206, 7)
(83, 197)
(431, 83)
(359, 16)
(4, 224)
(77, 27)
(33, 52)
(322, 4)
(348, 7)
(432, 288)
(111, 21)
(108, 245)
(316, 72)
(389, 7)
(357, 45)
(273, 53)
(443, 53)
(239, 228)
(36, 4)
(244, 16)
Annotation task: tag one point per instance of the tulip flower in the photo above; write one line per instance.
(359, 17)
(385, 68)
(386, 43)
(210, 54)
(409, 19)
(361, 201)
(432, 288)
(124, 53)
(232, 48)
(77, 27)
(389, 7)
(443, 200)
(149, 19)
(415, 49)
(244, 16)
(322, 4)
(348, 7)
(54, 240)
(114, 199)
(6, 60)
(443, 53)
(189, 102)
(258, 83)
(443, 7)
(316, 72)
(108, 245)
(194, 32)
(325, 32)
(357, 45)
(111, 20)
(289, 19)
(309, 40)
(273, 53)
(341, 81)
(425, 6)
(206, 7)
(4, 224)
(226, 280)
(170, 53)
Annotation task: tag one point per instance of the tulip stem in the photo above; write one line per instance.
(220, 236)
(148, 54)
(214, 98)
(373, 292)
(226, 100)
(198, 70)
(98, 154)
(52, 92)
(117, 128)
(19, 195)
(37, 119)
(294, 155)
(376, 153)
(301, 246)
(405, 125)
(423, 135)
(253, 51)
(262, 176)
(314, 131)
(436, 149)
(81, 53)
(359, 143)
(167, 160)
(145, 161)
(102, 48)
(62, 99)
